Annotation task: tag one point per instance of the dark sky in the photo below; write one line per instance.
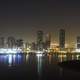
(23, 18)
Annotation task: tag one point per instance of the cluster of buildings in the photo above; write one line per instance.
(10, 42)
(42, 43)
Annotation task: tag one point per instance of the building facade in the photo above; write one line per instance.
(62, 39)
(47, 41)
(2, 42)
(78, 42)
(11, 42)
(40, 40)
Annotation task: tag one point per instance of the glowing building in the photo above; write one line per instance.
(2, 42)
(11, 42)
(62, 39)
(78, 42)
(47, 41)
(40, 40)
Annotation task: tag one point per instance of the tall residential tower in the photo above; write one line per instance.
(40, 40)
(48, 41)
(62, 39)
(78, 42)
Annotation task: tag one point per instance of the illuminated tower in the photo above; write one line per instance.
(62, 39)
(11, 42)
(2, 42)
(78, 42)
(40, 40)
(47, 41)
(19, 43)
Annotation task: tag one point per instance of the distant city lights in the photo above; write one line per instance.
(10, 50)
(42, 45)
(39, 55)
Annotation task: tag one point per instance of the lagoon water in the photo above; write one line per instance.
(36, 67)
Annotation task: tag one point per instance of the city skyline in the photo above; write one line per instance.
(54, 39)
(25, 18)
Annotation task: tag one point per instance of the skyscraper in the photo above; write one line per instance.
(11, 42)
(40, 40)
(62, 39)
(19, 43)
(2, 42)
(47, 41)
(78, 42)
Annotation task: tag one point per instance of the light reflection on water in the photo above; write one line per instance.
(39, 64)
(27, 57)
(62, 58)
(12, 60)
(42, 64)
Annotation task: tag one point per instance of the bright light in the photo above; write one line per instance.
(39, 52)
(10, 60)
(10, 50)
(62, 51)
(64, 56)
(38, 55)
(77, 50)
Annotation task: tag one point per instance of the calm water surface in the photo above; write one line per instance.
(36, 67)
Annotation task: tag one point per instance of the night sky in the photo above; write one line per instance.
(22, 19)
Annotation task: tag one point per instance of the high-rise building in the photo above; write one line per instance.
(33, 46)
(40, 40)
(11, 42)
(2, 42)
(19, 43)
(78, 42)
(47, 41)
(62, 39)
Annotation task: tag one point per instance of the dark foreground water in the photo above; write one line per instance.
(36, 67)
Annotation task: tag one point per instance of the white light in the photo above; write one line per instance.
(77, 50)
(63, 51)
(38, 55)
(10, 60)
(10, 50)
(39, 52)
